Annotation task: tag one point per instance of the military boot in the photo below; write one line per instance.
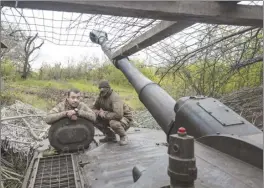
(108, 138)
(123, 140)
(119, 129)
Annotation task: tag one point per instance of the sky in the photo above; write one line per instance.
(51, 53)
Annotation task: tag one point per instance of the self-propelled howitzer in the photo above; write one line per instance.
(206, 119)
(209, 145)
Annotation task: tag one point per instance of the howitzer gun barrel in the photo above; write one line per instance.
(201, 116)
(207, 120)
(158, 102)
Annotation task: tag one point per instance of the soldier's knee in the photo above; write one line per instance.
(114, 124)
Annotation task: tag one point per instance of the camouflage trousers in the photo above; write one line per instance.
(112, 127)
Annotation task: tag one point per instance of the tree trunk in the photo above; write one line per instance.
(25, 69)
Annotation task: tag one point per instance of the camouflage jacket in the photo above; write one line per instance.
(59, 110)
(114, 107)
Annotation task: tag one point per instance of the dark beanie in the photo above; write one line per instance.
(104, 84)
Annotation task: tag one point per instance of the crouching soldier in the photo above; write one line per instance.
(71, 107)
(113, 115)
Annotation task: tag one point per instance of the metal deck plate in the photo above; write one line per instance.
(110, 165)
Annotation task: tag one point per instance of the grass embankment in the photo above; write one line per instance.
(37, 92)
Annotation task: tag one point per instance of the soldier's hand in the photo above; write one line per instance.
(70, 113)
(101, 114)
(96, 112)
(74, 117)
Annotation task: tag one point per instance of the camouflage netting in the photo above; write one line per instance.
(23, 127)
(72, 29)
(248, 103)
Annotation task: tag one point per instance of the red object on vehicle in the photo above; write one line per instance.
(182, 131)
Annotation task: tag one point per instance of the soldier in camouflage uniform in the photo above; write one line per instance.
(112, 113)
(71, 107)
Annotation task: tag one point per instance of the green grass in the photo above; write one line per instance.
(34, 101)
(127, 93)
(84, 86)
(42, 84)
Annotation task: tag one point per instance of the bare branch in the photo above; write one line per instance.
(191, 54)
(29, 48)
(31, 39)
(37, 47)
(189, 77)
(247, 62)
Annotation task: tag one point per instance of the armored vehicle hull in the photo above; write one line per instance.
(110, 166)
(209, 145)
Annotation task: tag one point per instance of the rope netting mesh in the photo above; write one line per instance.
(233, 45)
(72, 29)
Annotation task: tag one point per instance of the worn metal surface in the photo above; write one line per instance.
(215, 170)
(238, 147)
(182, 164)
(256, 139)
(70, 136)
(110, 165)
(208, 116)
(220, 112)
